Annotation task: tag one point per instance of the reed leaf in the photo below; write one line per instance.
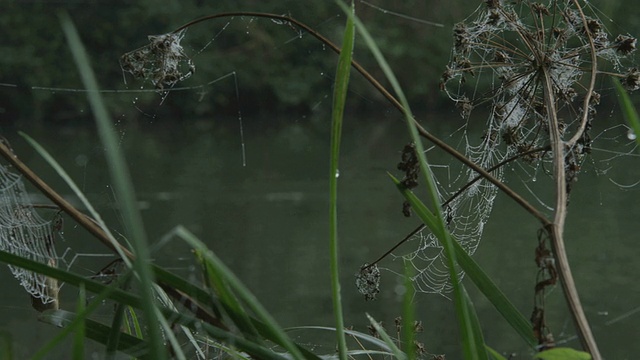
(98, 332)
(629, 111)
(482, 281)
(340, 89)
(78, 341)
(273, 331)
(122, 186)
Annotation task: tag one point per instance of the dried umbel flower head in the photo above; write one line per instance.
(163, 61)
(512, 55)
(368, 281)
(625, 44)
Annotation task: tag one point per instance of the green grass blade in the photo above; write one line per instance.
(132, 320)
(279, 336)
(70, 278)
(475, 324)
(106, 292)
(116, 325)
(562, 354)
(494, 354)
(78, 341)
(399, 355)
(6, 345)
(339, 99)
(408, 313)
(76, 190)
(176, 283)
(113, 293)
(228, 299)
(495, 296)
(97, 332)
(471, 349)
(122, 186)
(629, 111)
(482, 281)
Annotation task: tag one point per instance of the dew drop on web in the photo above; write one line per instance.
(631, 135)
(337, 173)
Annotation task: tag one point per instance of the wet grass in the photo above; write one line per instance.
(179, 317)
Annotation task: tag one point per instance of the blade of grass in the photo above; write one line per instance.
(471, 349)
(113, 293)
(6, 345)
(97, 332)
(279, 336)
(408, 312)
(171, 282)
(228, 299)
(122, 186)
(116, 324)
(399, 355)
(78, 341)
(339, 99)
(76, 190)
(78, 321)
(475, 323)
(482, 281)
(495, 355)
(629, 111)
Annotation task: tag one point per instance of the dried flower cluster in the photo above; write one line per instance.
(162, 61)
(509, 46)
(411, 167)
(368, 281)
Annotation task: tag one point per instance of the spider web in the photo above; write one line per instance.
(493, 65)
(25, 233)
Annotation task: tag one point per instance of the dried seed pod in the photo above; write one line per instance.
(368, 281)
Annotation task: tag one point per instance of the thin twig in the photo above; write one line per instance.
(421, 130)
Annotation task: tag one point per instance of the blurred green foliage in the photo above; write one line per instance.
(276, 69)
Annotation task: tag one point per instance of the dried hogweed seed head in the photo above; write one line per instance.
(632, 80)
(625, 44)
(368, 281)
(162, 61)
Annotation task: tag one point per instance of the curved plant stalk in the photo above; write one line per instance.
(556, 229)
(472, 348)
(387, 95)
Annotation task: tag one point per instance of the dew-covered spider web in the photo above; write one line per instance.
(495, 73)
(25, 233)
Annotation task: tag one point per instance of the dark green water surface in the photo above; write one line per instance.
(268, 221)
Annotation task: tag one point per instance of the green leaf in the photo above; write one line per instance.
(496, 355)
(629, 111)
(122, 186)
(273, 331)
(6, 345)
(471, 348)
(229, 301)
(339, 99)
(408, 312)
(482, 281)
(562, 354)
(78, 341)
(97, 332)
(399, 355)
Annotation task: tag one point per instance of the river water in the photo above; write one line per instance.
(268, 221)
